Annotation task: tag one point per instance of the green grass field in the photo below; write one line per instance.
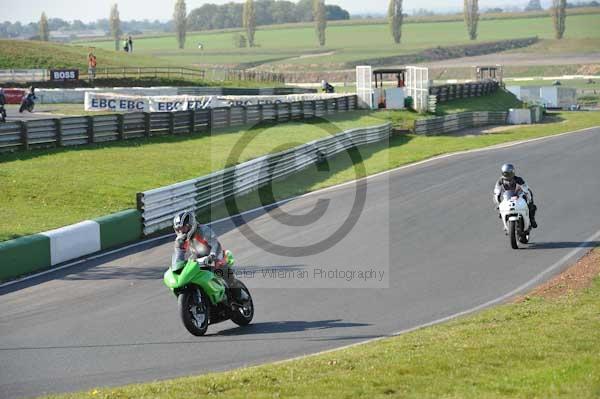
(538, 348)
(349, 43)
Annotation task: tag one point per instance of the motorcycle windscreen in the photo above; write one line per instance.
(507, 195)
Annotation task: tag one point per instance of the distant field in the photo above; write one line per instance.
(282, 47)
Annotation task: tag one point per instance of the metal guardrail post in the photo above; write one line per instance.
(24, 136)
(172, 123)
(120, 127)
(58, 127)
(192, 115)
(147, 124)
(90, 129)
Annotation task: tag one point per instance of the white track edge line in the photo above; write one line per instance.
(411, 165)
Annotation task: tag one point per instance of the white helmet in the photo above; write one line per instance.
(185, 223)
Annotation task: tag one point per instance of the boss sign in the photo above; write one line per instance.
(64, 74)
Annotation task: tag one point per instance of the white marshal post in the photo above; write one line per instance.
(417, 85)
(364, 87)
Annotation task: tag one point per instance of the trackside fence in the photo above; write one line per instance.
(70, 131)
(459, 121)
(158, 206)
(457, 91)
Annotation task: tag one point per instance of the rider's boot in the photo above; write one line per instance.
(532, 209)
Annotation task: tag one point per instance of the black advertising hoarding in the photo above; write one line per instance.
(64, 74)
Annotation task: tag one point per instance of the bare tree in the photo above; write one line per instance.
(180, 18)
(395, 17)
(559, 16)
(471, 10)
(249, 21)
(44, 30)
(320, 18)
(115, 25)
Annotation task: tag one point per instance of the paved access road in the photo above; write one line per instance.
(111, 321)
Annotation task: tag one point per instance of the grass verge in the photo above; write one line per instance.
(535, 348)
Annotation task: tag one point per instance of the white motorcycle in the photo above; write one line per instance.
(514, 212)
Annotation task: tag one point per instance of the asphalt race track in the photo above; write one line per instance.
(40, 112)
(111, 321)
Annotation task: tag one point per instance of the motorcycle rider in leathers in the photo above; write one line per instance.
(195, 241)
(510, 182)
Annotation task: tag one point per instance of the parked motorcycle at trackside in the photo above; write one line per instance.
(514, 213)
(204, 297)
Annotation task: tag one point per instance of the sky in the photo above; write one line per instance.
(30, 10)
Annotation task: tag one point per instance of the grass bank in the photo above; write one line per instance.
(34, 54)
(538, 348)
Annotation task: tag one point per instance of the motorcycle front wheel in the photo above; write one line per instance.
(242, 315)
(512, 233)
(194, 310)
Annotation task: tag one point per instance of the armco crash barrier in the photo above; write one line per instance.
(158, 206)
(455, 122)
(40, 251)
(79, 130)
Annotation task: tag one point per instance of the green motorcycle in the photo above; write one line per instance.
(204, 297)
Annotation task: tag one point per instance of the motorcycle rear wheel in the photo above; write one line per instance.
(194, 310)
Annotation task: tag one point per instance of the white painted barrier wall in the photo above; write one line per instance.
(519, 116)
(116, 102)
(73, 241)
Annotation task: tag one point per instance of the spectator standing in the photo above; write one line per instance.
(91, 67)
(126, 45)
(130, 40)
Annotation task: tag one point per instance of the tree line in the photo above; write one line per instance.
(250, 10)
(267, 12)
(31, 30)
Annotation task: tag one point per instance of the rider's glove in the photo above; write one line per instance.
(210, 259)
(180, 240)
